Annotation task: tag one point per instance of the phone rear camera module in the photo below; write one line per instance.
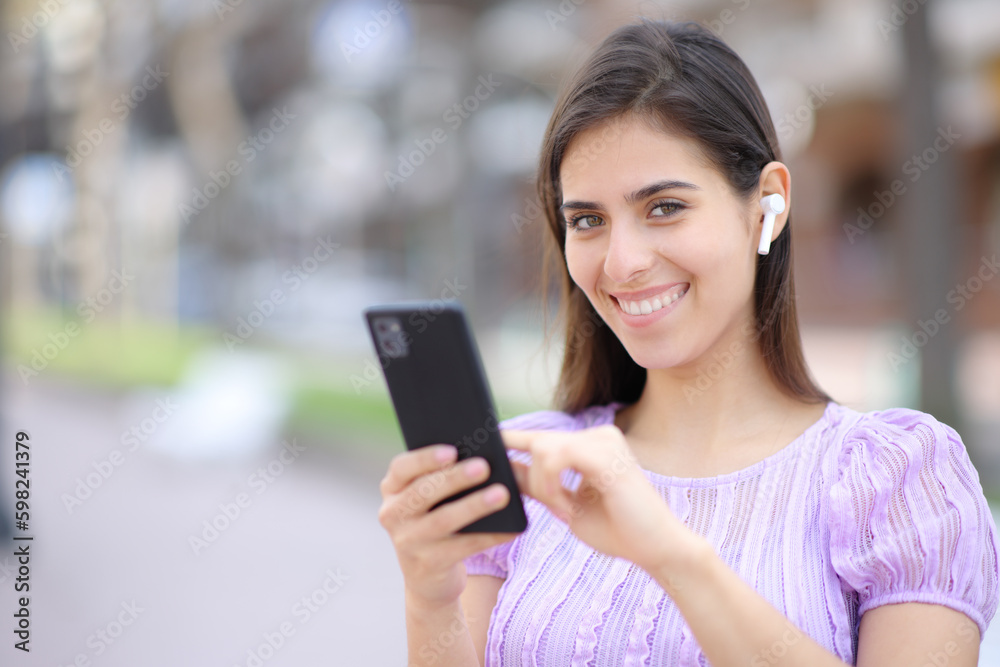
(390, 337)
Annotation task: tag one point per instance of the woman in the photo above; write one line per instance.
(696, 498)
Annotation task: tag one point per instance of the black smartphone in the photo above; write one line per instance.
(440, 393)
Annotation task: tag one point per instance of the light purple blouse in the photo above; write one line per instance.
(861, 510)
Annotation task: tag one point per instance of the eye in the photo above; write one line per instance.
(667, 207)
(583, 222)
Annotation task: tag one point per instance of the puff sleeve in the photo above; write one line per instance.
(909, 521)
(497, 560)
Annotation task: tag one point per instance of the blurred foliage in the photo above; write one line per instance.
(114, 355)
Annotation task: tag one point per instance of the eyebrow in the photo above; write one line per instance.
(640, 194)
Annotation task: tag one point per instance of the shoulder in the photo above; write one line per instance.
(908, 518)
(909, 454)
(898, 439)
(897, 421)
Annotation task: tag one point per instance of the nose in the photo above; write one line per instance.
(628, 254)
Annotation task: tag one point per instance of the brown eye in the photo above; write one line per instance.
(667, 207)
(582, 222)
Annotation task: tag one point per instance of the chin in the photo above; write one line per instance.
(650, 358)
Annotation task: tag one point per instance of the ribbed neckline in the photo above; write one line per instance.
(607, 416)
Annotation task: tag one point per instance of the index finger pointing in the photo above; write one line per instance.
(516, 439)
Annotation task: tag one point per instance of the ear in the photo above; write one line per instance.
(774, 179)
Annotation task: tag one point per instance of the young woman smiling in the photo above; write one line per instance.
(696, 498)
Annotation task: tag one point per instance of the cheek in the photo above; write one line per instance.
(721, 250)
(726, 273)
(581, 265)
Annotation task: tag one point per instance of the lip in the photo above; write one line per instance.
(646, 293)
(639, 321)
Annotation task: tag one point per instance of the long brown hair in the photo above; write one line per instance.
(686, 80)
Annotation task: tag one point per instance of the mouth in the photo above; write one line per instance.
(650, 303)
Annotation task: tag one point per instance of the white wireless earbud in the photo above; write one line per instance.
(772, 205)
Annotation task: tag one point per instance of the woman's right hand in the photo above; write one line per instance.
(429, 549)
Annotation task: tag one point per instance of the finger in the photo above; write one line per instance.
(547, 488)
(409, 465)
(552, 455)
(450, 517)
(531, 479)
(433, 487)
(522, 474)
(518, 439)
(591, 452)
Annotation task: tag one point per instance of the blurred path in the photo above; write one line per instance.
(314, 525)
(124, 554)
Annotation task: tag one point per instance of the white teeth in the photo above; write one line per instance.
(646, 307)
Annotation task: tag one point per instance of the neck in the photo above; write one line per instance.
(722, 400)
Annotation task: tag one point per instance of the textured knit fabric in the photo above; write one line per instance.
(861, 510)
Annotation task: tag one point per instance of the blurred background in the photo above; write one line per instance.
(198, 197)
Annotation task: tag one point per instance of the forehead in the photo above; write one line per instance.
(623, 154)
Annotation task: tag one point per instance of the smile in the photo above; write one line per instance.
(651, 305)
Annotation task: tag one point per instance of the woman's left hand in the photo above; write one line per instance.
(614, 509)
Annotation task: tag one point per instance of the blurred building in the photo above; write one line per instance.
(212, 148)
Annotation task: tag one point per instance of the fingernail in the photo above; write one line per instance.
(445, 453)
(475, 467)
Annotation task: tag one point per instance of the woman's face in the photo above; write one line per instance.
(657, 241)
